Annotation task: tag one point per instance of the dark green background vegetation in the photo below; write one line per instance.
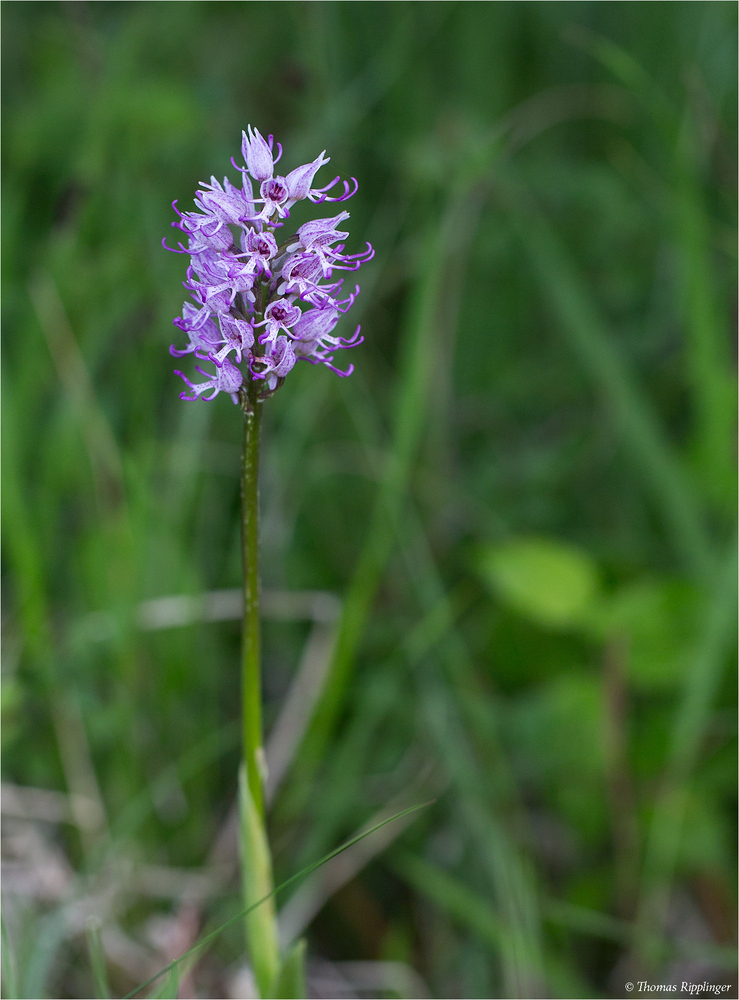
(524, 496)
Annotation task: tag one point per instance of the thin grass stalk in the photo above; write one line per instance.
(707, 339)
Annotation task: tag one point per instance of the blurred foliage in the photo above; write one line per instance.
(524, 495)
(551, 583)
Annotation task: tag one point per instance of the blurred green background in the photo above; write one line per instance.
(520, 506)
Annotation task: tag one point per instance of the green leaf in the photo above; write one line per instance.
(658, 619)
(553, 583)
(256, 866)
(291, 980)
(170, 988)
(97, 960)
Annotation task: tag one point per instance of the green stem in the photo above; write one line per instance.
(256, 861)
(251, 693)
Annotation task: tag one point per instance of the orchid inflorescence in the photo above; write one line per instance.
(259, 303)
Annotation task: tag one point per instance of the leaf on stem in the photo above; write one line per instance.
(256, 866)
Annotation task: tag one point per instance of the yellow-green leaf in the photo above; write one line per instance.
(553, 583)
(256, 866)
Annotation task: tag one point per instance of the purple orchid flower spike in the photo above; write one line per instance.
(261, 302)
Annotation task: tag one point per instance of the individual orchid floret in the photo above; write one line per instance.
(203, 339)
(299, 180)
(275, 363)
(274, 195)
(261, 247)
(240, 274)
(279, 315)
(228, 204)
(260, 300)
(301, 274)
(317, 324)
(205, 232)
(227, 378)
(319, 233)
(236, 335)
(215, 297)
(258, 154)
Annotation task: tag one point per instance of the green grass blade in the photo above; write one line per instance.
(22, 540)
(631, 74)
(379, 540)
(702, 680)
(100, 443)
(451, 894)
(709, 369)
